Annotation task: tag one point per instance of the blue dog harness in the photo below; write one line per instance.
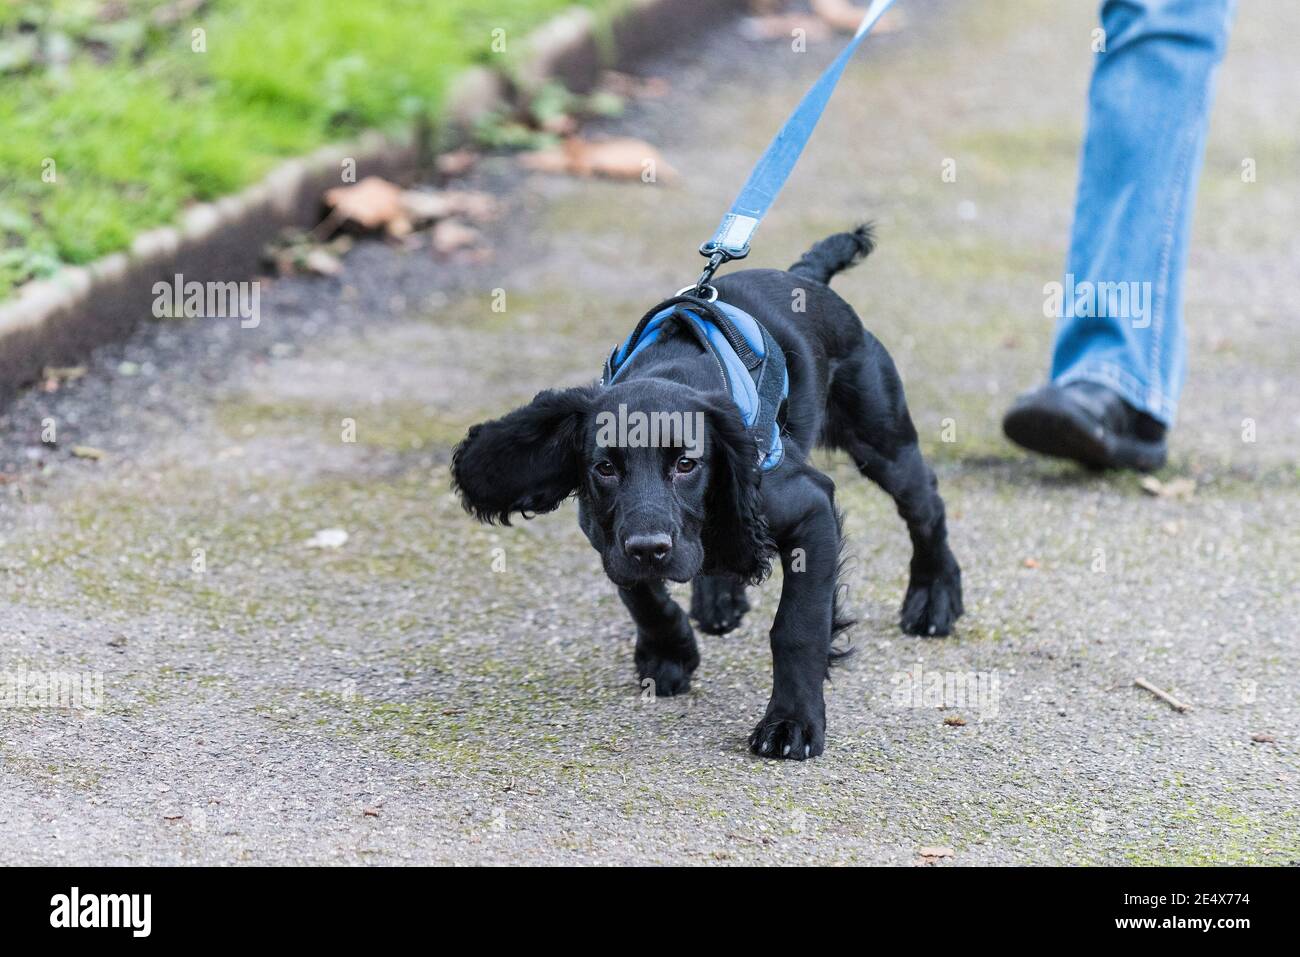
(750, 362)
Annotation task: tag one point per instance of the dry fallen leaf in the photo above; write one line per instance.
(931, 854)
(456, 163)
(450, 235)
(422, 206)
(88, 452)
(839, 14)
(617, 158)
(373, 203)
(846, 17)
(1183, 488)
(620, 158)
(479, 207)
(955, 721)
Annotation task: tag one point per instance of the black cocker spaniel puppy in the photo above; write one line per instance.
(675, 482)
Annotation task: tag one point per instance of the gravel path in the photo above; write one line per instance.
(436, 691)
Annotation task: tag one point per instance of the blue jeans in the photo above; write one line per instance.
(1120, 322)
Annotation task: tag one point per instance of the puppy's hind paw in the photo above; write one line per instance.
(932, 607)
(718, 605)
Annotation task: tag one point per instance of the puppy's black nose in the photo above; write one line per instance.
(648, 549)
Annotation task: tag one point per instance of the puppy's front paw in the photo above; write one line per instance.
(785, 735)
(668, 676)
(933, 604)
(667, 659)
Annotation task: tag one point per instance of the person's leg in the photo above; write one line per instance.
(1148, 111)
(1120, 319)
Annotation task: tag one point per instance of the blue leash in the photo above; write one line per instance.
(731, 241)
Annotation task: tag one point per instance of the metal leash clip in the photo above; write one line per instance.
(701, 284)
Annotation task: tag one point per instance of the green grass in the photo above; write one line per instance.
(138, 125)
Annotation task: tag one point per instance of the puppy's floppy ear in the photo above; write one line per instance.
(735, 536)
(528, 461)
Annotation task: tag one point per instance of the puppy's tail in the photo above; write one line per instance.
(835, 254)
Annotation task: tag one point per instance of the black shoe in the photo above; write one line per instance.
(1088, 423)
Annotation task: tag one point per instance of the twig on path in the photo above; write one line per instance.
(1162, 695)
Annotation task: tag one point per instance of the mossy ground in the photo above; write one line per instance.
(142, 118)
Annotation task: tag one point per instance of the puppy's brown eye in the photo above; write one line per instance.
(685, 464)
(606, 469)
